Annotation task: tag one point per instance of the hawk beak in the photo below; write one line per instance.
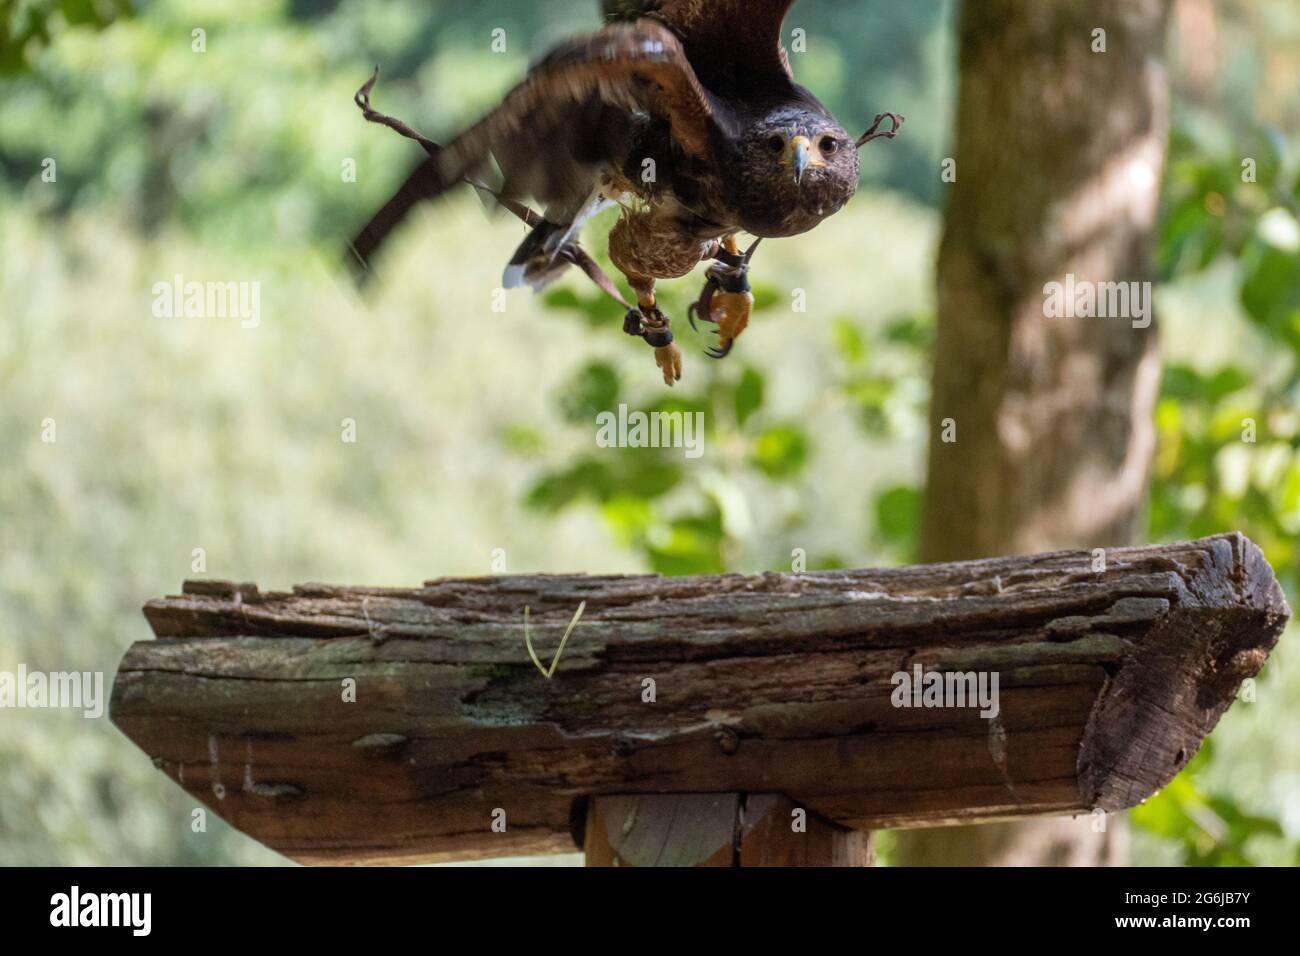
(800, 154)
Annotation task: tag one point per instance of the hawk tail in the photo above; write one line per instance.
(537, 262)
(546, 251)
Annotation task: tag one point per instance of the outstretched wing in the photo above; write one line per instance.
(594, 83)
(723, 38)
(575, 112)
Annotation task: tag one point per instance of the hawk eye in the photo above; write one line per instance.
(775, 144)
(829, 144)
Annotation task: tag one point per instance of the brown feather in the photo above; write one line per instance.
(633, 67)
(721, 36)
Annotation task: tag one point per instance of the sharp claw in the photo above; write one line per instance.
(695, 312)
(723, 349)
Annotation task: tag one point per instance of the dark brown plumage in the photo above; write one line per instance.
(685, 112)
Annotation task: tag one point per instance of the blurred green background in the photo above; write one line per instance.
(475, 428)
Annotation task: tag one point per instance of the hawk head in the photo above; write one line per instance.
(795, 166)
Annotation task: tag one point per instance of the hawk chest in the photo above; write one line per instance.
(651, 243)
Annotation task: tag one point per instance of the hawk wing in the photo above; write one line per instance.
(575, 112)
(722, 37)
(586, 91)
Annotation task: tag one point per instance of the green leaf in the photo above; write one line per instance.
(870, 395)
(25, 27)
(648, 473)
(592, 391)
(594, 309)
(632, 472)
(1270, 291)
(1226, 381)
(522, 439)
(1186, 384)
(691, 545)
(561, 298)
(586, 479)
(1181, 382)
(849, 341)
(749, 395)
(898, 515)
(628, 517)
(1190, 238)
(781, 451)
(915, 331)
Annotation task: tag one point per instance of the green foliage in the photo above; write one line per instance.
(696, 517)
(749, 395)
(30, 25)
(592, 305)
(1228, 432)
(1219, 206)
(594, 389)
(244, 143)
(642, 473)
(898, 516)
(634, 487)
(1209, 830)
(781, 451)
(1270, 287)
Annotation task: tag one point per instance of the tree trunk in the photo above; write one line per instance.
(1041, 427)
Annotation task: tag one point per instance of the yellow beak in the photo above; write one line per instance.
(800, 155)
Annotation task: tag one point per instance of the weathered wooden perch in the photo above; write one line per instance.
(778, 684)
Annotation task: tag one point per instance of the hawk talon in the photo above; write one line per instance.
(725, 303)
(649, 323)
(669, 359)
(700, 307)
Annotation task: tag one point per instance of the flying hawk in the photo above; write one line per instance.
(683, 112)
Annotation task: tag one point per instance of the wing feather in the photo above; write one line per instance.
(577, 111)
(722, 37)
(635, 67)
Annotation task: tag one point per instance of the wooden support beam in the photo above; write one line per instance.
(380, 724)
(716, 829)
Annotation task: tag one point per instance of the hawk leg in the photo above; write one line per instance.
(726, 300)
(652, 325)
(650, 244)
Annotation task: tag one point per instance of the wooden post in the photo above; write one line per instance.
(716, 829)
(370, 725)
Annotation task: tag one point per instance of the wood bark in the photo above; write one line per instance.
(1059, 149)
(385, 724)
